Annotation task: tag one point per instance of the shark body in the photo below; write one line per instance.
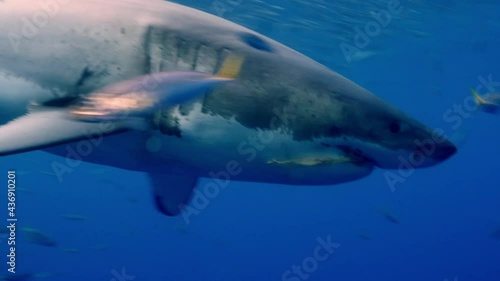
(288, 120)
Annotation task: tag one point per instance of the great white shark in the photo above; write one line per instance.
(288, 119)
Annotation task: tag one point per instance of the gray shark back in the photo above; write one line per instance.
(288, 120)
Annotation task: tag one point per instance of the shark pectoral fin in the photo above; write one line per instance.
(45, 128)
(171, 192)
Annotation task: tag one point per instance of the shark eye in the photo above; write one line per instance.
(256, 42)
(394, 127)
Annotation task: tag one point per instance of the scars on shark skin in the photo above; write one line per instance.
(213, 95)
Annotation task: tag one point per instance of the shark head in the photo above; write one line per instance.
(372, 129)
(344, 116)
(317, 105)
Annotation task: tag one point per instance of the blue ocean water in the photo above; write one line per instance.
(437, 224)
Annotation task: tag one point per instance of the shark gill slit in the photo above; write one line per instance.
(164, 51)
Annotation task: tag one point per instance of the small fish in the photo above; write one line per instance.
(100, 247)
(219, 244)
(133, 199)
(181, 228)
(117, 185)
(71, 250)
(99, 171)
(25, 190)
(362, 55)
(51, 174)
(24, 276)
(390, 217)
(489, 103)
(3, 236)
(35, 236)
(364, 236)
(74, 217)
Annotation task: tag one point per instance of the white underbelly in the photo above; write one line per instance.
(212, 144)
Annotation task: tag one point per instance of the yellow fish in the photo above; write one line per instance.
(489, 103)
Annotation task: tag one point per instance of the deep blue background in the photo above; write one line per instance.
(423, 62)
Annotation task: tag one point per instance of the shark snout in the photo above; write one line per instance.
(421, 154)
(429, 153)
(444, 151)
